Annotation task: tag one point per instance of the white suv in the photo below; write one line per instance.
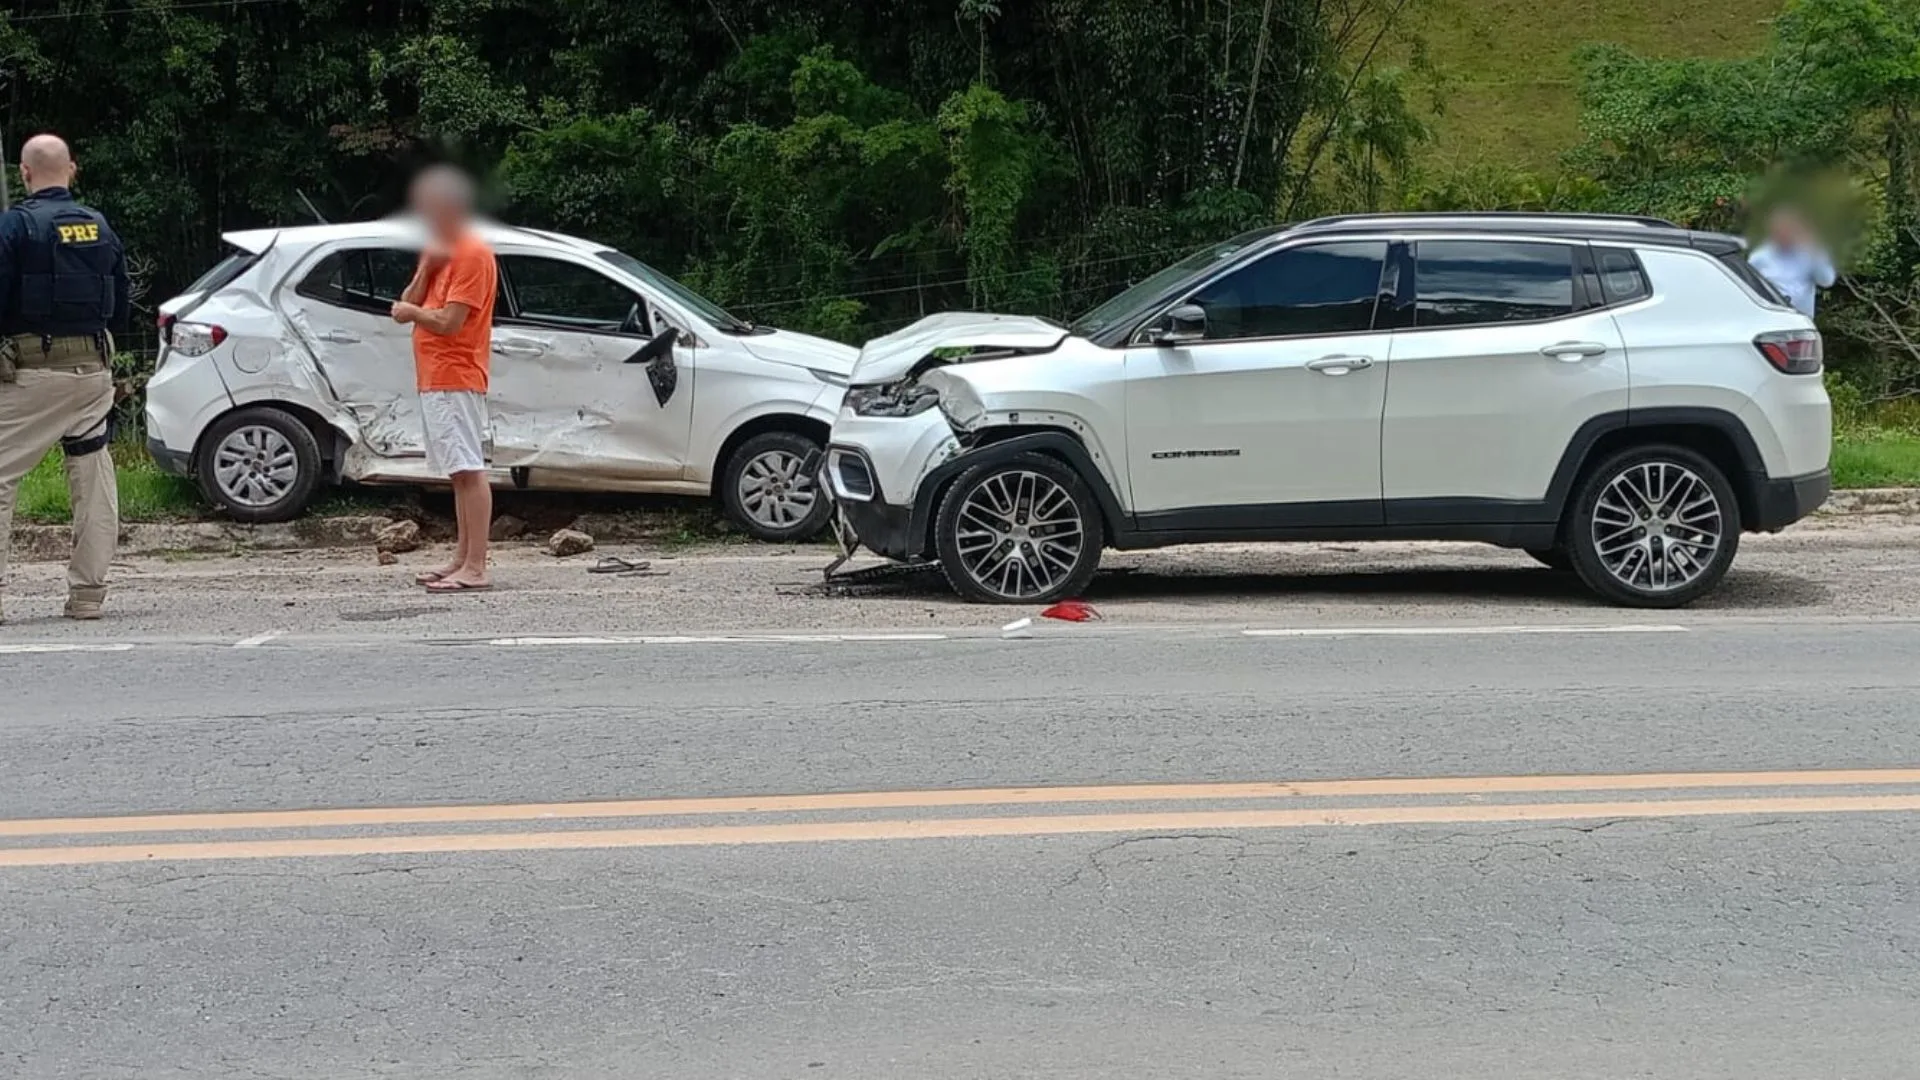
(1617, 396)
(280, 370)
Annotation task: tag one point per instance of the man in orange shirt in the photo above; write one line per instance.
(450, 304)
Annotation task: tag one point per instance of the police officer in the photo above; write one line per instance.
(63, 282)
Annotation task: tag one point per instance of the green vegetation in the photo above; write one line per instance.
(146, 493)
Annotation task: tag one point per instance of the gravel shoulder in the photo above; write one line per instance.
(1839, 567)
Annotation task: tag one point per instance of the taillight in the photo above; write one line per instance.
(1791, 352)
(165, 323)
(195, 339)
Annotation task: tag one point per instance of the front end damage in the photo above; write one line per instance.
(909, 422)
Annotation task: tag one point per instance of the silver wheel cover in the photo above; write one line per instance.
(775, 491)
(255, 466)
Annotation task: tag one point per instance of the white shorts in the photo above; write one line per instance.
(456, 423)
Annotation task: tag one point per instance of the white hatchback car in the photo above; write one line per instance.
(1617, 396)
(280, 370)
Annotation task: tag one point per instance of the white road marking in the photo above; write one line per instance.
(1447, 631)
(709, 639)
(257, 640)
(54, 646)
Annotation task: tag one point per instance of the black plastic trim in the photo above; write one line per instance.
(172, 462)
(1059, 443)
(1782, 502)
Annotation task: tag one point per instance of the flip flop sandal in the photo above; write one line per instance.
(428, 578)
(446, 586)
(614, 564)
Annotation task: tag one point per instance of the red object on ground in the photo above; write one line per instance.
(1070, 611)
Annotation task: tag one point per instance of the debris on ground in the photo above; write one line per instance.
(568, 542)
(1017, 629)
(888, 576)
(1071, 611)
(398, 537)
(386, 558)
(506, 527)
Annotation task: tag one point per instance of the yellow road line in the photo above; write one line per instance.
(952, 828)
(897, 800)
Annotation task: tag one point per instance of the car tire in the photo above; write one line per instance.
(1017, 567)
(260, 464)
(767, 488)
(1653, 527)
(1553, 558)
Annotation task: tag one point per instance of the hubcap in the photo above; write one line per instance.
(775, 491)
(255, 466)
(1657, 526)
(1019, 534)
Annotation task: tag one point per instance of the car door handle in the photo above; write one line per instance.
(517, 347)
(1339, 365)
(340, 337)
(1572, 351)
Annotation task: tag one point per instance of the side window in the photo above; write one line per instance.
(1621, 279)
(1323, 289)
(365, 279)
(1483, 282)
(569, 295)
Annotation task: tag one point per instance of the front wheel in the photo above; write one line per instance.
(767, 489)
(1654, 527)
(1024, 530)
(261, 463)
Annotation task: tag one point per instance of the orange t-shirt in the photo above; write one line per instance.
(458, 361)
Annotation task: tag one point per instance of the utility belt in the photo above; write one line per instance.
(80, 354)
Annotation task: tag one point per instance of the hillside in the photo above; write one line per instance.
(1509, 92)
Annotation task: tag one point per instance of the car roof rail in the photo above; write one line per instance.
(1463, 216)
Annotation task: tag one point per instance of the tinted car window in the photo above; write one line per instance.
(1478, 282)
(1323, 289)
(571, 295)
(366, 279)
(1621, 279)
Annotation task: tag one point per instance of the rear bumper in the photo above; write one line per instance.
(176, 462)
(1780, 503)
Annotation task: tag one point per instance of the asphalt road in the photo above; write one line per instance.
(475, 875)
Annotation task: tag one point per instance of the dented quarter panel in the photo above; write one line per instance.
(734, 387)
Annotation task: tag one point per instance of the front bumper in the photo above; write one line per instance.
(1780, 503)
(884, 528)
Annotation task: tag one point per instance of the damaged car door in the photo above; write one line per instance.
(588, 381)
(341, 310)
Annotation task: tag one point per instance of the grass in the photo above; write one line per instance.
(1874, 458)
(1507, 71)
(146, 493)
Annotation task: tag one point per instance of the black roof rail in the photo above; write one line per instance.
(1496, 215)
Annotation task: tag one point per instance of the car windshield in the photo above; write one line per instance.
(1102, 317)
(700, 305)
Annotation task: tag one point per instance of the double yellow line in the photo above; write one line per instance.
(1461, 800)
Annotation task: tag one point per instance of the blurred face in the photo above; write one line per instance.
(442, 203)
(1786, 230)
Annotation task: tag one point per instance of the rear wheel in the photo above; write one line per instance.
(767, 489)
(1654, 527)
(261, 464)
(1024, 530)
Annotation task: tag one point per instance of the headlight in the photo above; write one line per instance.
(902, 398)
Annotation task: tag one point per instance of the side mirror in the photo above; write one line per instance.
(1185, 323)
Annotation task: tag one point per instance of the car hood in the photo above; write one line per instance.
(885, 359)
(802, 350)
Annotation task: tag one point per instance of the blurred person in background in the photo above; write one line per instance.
(1793, 259)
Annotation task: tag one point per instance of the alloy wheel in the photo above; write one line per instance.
(255, 466)
(1019, 534)
(1657, 526)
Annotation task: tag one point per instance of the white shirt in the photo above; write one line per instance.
(1796, 272)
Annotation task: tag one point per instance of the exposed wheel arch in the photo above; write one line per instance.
(1008, 442)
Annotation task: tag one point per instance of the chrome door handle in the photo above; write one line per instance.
(1572, 351)
(1339, 365)
(340, 337)
(518, 348)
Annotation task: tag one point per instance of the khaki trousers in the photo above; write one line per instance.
(43, 407)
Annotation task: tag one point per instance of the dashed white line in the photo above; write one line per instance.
(709, 639)
(1450, 631)
(257, 640)
(60, 646)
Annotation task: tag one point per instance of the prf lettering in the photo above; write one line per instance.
(80, 234)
